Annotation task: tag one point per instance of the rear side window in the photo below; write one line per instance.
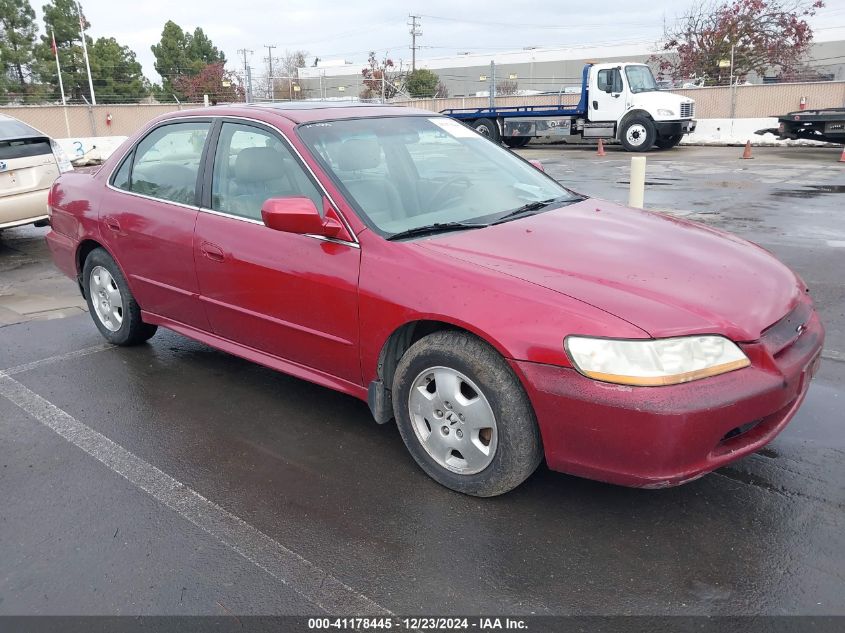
(166, 162)
(21, 148)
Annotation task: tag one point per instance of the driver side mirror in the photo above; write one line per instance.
(297, 214)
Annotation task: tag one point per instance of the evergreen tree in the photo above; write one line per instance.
(180, 54)
(117, 74)
(17, 44)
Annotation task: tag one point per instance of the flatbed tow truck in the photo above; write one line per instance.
(826, 125)
(618, 101)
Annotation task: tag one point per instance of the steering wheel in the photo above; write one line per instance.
(435, 197)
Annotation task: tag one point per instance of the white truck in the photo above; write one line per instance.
(618, 101)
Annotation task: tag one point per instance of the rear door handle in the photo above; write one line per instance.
(212, 251)
(112, 224)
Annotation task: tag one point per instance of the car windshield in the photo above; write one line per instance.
(407, 172)
(640, 79)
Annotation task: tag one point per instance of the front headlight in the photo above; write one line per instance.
(654, 362)
(665, 112)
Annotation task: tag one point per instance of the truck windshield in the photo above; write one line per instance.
(640, 79)
(406, 172)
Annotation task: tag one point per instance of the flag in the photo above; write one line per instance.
(53, 46)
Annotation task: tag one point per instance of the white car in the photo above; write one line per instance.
(29, 163)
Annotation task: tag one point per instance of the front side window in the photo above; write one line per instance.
(166, 162)
(640, 79)
(252, 165)
(402, 173)
(609, 80)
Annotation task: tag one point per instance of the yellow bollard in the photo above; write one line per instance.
(636, 194)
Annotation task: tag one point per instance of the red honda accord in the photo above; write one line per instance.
(398, 256)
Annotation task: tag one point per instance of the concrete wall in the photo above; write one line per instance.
(710, 103)
(85, 121)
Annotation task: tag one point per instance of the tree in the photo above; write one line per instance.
(213, 80)
(180, 54)
(17, 41)
(422, 83)
(62, 18)
(507, 88)
(765, 35)
(380, 78)
(118, 77)
(286, 74)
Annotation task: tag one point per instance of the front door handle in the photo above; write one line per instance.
(212, 251)
(112, 224)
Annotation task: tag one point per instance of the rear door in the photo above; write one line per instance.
(147, 219)
(291, 296)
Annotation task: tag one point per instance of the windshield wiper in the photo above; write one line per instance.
(534, 206)
(437, 227)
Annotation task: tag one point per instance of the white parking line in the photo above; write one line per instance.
(833, 355)
(55, 359)
(283, 564)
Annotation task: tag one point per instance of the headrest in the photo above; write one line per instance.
(259, 164)
(359, 153)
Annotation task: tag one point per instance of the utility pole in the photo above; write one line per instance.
(492, 89)
(247, 75)
(270, 92)
(415, 33)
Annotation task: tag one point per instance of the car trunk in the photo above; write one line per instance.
(26, 164)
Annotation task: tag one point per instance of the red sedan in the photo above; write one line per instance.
(398, 256)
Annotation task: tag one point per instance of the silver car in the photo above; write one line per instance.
(29, 163)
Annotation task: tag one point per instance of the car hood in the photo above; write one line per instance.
(666, 276)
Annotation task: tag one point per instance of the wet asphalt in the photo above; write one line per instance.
(309, 469)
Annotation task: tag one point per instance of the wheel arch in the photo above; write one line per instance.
(394, 347)
(84, 249)
(627, 117)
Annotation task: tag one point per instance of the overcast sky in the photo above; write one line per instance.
(337, 29)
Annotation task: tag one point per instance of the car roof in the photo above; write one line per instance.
(12, 128)
(308, 111)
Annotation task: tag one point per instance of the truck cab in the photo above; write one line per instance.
(624, 102)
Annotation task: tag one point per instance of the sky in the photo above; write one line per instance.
(332, 29)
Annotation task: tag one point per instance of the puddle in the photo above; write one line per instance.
(812, 191)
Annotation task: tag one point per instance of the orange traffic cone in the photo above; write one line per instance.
(842, 158)
(747, 153)
(601, 149)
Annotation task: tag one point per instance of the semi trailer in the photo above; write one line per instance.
(826, 124)
(618, 101)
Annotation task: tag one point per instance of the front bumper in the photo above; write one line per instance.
(653, 437)
(675, 128)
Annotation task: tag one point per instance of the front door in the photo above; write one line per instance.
(292, 296)
(147, 220)
(607, 94)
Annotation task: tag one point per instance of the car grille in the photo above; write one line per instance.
(687, 110)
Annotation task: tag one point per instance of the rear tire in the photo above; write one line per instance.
(515, 142)
(668, 142)
(110, 302)
(464, 415)
(638, 134)
(487, 127)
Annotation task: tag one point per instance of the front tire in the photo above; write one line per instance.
(668, 142)
(110, 302)
(515, 142)
(638, 134)
(464, 416)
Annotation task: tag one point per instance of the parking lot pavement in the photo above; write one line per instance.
(172, 478)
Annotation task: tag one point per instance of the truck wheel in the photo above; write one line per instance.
(487, 127)
(515, 142)
(638, 134)
(464, 415)
(668, 142)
